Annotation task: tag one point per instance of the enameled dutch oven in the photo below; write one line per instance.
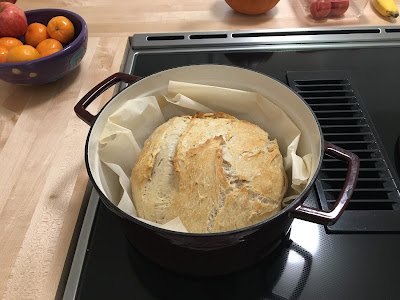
(225, 252)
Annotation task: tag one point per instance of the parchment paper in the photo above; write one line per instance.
(129, 126)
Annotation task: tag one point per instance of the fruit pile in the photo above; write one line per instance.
(335, 8)
(322, 8)
(40, 39)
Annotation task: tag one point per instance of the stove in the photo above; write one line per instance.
(350, 79)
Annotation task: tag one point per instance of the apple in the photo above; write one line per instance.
(339, 7)
(13, 21)
(320, 8)
(12, 1)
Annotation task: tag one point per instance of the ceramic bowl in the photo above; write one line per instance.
(50, 68)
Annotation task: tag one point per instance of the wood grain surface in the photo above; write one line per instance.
(42, 172)
(124, 18)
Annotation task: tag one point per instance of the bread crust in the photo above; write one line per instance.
(217, 174)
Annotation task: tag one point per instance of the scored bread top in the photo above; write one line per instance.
(213, 171)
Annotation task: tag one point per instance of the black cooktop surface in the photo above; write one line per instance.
(354, 92)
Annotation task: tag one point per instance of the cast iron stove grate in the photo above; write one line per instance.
(375, 203)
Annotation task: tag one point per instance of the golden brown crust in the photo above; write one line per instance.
(141, 171)
(227, 174)
(239, 211)
(219, 115)
(199, 171)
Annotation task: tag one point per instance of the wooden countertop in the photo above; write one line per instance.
(43, 176)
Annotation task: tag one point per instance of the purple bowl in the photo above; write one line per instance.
(54, 66)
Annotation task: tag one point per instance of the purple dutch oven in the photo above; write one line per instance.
(225, 252)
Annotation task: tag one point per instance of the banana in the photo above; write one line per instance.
(386, 8)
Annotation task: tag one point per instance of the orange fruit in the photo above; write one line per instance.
(61, 29)
(9, 42)
(252, 7)
(49, 51)
(22, 53)
(3, 54)
(35, 33)
(47, 45)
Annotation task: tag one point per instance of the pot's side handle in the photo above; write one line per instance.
(330, 217)
(80, 107)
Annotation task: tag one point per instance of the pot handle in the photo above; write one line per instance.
(80, 107)
(330, 217)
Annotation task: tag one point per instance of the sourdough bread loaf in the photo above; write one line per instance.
(213, 171)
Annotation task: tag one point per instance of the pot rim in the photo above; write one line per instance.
(109, 204)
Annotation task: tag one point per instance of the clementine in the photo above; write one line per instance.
(3, 54)
(61, 29)
(35, 33)
(9, 42)
(22, 53)
(47, 45)
(49, 51)
(252, 7)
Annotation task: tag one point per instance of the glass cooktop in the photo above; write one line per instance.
(350, 80)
